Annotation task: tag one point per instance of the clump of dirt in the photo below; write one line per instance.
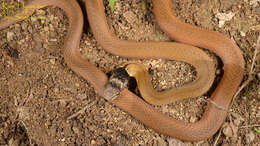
(38, 92)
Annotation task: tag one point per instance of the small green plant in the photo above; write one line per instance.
(112, 4)
(144, 3)
(257, 130)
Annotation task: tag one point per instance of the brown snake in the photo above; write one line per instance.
(229, 53)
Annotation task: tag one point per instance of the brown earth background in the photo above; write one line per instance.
(38, 92)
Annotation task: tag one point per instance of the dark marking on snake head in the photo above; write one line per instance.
(117, 82)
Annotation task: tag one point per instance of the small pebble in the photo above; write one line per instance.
(244, 97)
(10, 62)
(51, 27)
(41, 12)
(243, 34)
(53, 40)
(250, 137)
(93, 142)
(24, 26)
(130, 17)
(228, 131)
(175, 142)
(46, 28)
(258, 76)
(81, 96)
(237, 122)
(56, 90)
(39, 47)
(53, 34)
(254, 3)
(51, 17)
(237, 119)
(33, 19)
(52, 61)
(10, 36)
(193, 119)
(76, 130)
(221, 24)
(77, 84)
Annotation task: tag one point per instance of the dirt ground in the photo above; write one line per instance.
(38, 92)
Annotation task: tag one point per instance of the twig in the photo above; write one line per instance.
(82, 110)
(30, 96)
(234, 130)
(26, 131)
(250, 126)
(256, 51)
(219, 133)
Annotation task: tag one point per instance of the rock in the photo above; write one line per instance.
(237, 119)
(161, 142)
(10, 36)
(17, 28)
(225, 144)
(243, 34)
(228, 131)
(10, 63)
(175, 142)
(237, 122)
(223, 17)
(46, 28)
(221, 23)
(93, 142)
(250, 137)
(158, 141)
(254, 3)
(77, 84)
(38, 47)
(24, 26)
(193, 119)
(258, 76)
(76, 130)
(130, 17)
(81, 96)
(52, 61)
(63, 139)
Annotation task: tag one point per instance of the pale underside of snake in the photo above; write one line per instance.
(229, 53)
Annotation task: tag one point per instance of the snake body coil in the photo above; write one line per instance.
(229, 53)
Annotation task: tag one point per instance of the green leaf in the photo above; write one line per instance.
(112, 4)
(257, 130)
(144, 3)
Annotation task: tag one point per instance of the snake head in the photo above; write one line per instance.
(117, 82)
(133, 69)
